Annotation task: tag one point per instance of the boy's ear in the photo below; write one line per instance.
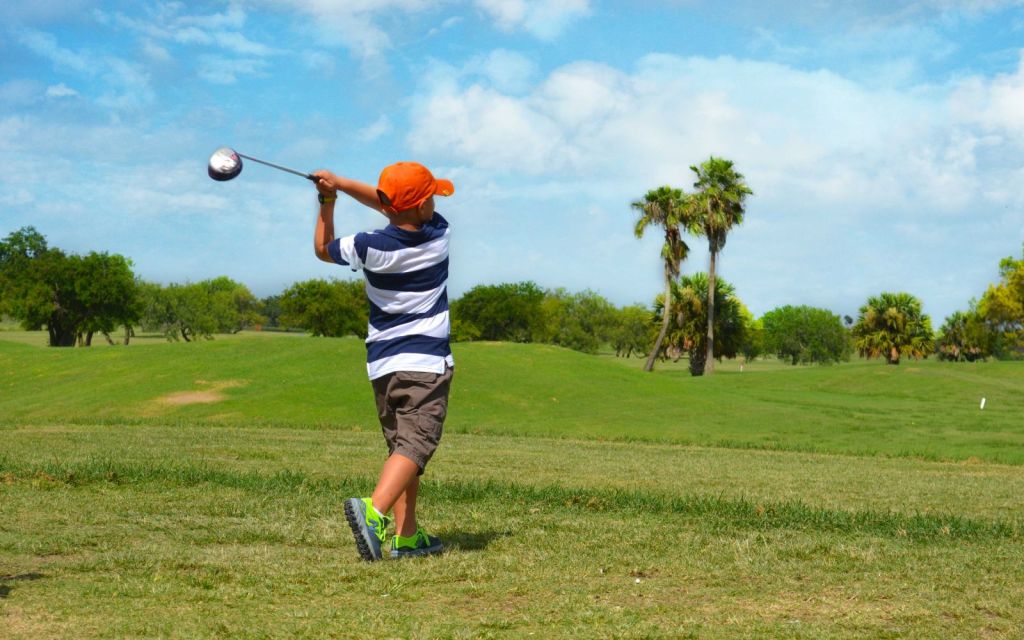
(385, 202)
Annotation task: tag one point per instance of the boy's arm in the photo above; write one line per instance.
(324, 233)
(328, 185)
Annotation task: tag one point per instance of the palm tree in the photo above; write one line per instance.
(688, 330)
(716, 207)
(663, 207)
(892, 325)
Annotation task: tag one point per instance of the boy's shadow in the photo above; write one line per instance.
(5, 590)
(472, 540)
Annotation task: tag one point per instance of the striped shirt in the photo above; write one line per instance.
(407, 285)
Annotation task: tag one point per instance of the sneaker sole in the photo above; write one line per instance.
(355, 513)
(417, 553)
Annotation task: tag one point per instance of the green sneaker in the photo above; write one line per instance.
(369, 528)
(420, 544)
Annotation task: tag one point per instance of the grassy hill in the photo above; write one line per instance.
(194, 490)
(925, 409)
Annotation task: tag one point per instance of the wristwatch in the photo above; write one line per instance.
(320, 197)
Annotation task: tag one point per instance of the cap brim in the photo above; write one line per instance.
(444, 188)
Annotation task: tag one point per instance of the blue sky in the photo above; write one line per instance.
(884, 141)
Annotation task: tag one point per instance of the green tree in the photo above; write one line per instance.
(581, 321)
(199, 309)
(331, 308)
(270, 308)
(108, 293)
(665, 209)
(688, 330)
(716, 206)
(505, 312)
(892, 325)
(964, 337)
(752, 346)
(1002, 308)
(804, 335)
(633, 330)
(72, 296)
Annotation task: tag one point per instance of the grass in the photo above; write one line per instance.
(579, 497)
(924, 409)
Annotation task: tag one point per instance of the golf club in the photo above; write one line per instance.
(226, 164)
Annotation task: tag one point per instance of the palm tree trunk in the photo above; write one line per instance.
(709, 361)
(665, 309)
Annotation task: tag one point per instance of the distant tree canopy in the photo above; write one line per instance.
(509, 312)
(634, 331)
(804, 335)
(891, 325)
(1002, 308)
(753, 338)
(329, 308)
(73, 296)
(964, 337)
(523, 312)
(582, 321)
(200, 309)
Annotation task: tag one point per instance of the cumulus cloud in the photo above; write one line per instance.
(60, 91)
(122, 84)
(380, 127)
(839, 139)
(354, 24)
(46, 45)
(829, 158)
(166, 24)
(545, 19)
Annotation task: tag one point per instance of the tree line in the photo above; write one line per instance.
(76, 297)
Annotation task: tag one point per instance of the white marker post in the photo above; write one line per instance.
(982, 404)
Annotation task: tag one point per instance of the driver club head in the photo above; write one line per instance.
(225, 164)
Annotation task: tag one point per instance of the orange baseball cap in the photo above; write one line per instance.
(406, 185)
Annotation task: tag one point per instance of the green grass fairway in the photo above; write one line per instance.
(194, 490)
(923, 409)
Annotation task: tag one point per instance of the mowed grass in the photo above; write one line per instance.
(924, 409)
(113, 531)
(579, 497)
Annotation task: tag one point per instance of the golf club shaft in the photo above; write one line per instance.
(307, 176)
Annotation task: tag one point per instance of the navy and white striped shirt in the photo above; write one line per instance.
(407, 284)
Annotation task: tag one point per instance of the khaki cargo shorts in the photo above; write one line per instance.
(411, 406)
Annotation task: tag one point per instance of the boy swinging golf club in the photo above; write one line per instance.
(408, 358)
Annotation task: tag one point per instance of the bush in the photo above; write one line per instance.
(804, 335)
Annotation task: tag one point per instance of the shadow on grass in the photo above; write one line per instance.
(472, 540)
(6, 590)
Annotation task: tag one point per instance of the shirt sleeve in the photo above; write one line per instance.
(343, 251)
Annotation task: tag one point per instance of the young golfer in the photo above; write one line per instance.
(408, 357)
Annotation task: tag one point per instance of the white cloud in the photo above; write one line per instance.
(379, 128)
(997, 105)
(60, 91)
(353, 24)
(227, 71)
(45, 45)
(155, 52)
(833, 162)
(545, 19)
(122, 84)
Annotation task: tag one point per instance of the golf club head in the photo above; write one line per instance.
(224, 164)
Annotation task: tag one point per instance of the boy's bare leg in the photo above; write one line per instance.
(397, 475)
(405, 509)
